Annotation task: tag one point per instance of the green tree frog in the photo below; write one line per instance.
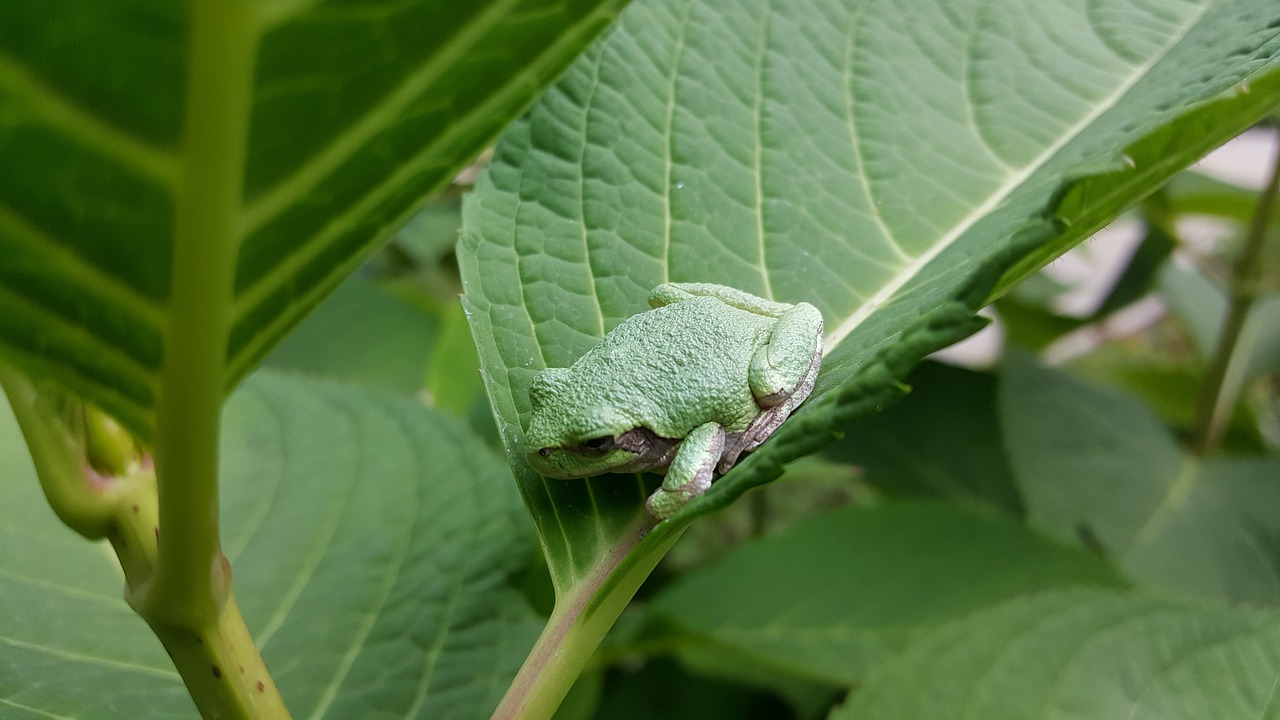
(683, 389)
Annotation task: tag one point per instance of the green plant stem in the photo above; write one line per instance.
(221, 667)
(1214, 404)
(123, 509)
(189, 586)
(187, 598)
(578, 623)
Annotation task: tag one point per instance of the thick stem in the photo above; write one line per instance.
(122, 507)
(221, 667)
(1214, 404)
(576, 627)
(189, 587)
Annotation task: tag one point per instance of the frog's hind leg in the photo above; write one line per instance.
(768, 421)
(668, 293)
(783, 364)
(690, 472)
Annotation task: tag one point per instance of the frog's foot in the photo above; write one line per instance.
(690, 472)
(780, 367)
(768, 421)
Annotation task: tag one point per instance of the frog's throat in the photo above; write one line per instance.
(652, 451)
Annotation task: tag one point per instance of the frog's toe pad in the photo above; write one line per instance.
(662, 504)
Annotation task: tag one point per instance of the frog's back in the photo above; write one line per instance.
(684, 364)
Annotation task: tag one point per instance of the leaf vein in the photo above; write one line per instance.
(896, 282)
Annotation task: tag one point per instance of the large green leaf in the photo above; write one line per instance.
(1084, 655)
(883, 162)
(1096, 465)
(942, 440)
(372, 541)
(828, 599)
(181, 173)
(362, 332)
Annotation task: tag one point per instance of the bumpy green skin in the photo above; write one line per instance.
(685, 388)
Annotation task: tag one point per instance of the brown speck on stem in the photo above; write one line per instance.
(217, 671)
(261, 687)
(136, 508)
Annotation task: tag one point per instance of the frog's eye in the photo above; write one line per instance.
(597, 445)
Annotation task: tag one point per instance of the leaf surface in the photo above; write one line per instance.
(942, 441)
(363, 333)
(1097, 466)
(327, 124)
(886, 166)
(372, 540)
(830, 598)
(1083, 655)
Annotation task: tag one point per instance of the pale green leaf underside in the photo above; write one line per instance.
(867, 157)
(356, 112)
(372, 542)
(779, 603)
(1084, 655)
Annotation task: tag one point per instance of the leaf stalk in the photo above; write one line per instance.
(1214, 404)
(580, 620)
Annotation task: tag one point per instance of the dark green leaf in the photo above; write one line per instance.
(828, 599)
(1083, 655)
(362, 333)
(283, 141)
(1097, 466)
(372, 542)
(942, 440)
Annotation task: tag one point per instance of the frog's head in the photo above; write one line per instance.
(574, 432)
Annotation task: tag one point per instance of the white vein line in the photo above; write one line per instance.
(394, 181)
(677, 59)
(62, 113)
(33, 710)
(114, 603)
(757, 111)
(324, 163)
(582, 188)
(855, 139)
(305, 566)
(74, 376)
(103, 351)
(251, 523)
(601, 540)
(1175, 498)
(966, 86)
(999, 195)
(80, 271)
(276, 12)
(91, 660)
(445, 628)
(1271, 696)
(568, 544)
(1224, 638)
(361, 635)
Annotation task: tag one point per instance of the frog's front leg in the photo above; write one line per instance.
(690, 472)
